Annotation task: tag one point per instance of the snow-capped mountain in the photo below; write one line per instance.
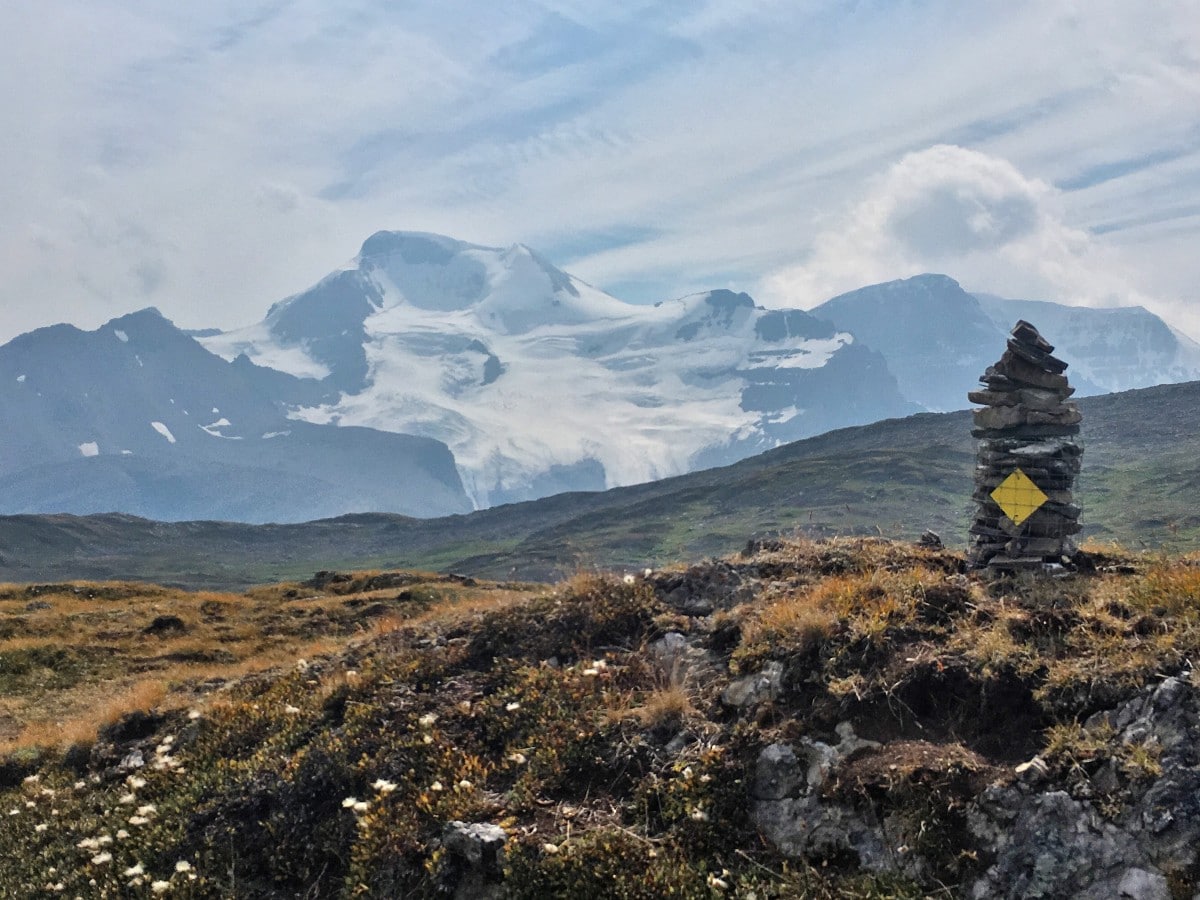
(539, 382)
(937, 338)
(137, 417)
(429, 376)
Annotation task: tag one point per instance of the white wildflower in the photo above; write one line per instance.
(361, 807)
(349, 802)
(629, 579)
(646, 573)
(47, 792)
(719, 883)
(80, 785)
(591, 671)
(148, 809)
(88, 844)
(160, 887)
(193, 714)
(699, 815)
(135, 782)
(104, 840)
(138, 820)
(183, 866)
(550, 848)
(14, 812)
(127, 799)
(29, 804)
(427, 739)
(133, 871)
(427, 720)
(122, 834)
(302, 665)
(101, 858)
(465, 785)
(437, 786)
(512, 707)
(32, 779)
(40, 827)
(518, 758)
(291, 710)
(384, 786)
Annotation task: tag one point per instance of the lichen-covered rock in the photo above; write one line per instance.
(789, 810)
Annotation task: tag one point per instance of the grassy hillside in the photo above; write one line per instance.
(894, 478)
(605, 725)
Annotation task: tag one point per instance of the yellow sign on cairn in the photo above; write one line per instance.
(1018, 497)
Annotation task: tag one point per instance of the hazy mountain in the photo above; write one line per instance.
(937, 338)
(430, 375)
(1109, 349)
(138, 417)
(539, 382)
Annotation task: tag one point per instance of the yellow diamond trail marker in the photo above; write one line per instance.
(1018, 497)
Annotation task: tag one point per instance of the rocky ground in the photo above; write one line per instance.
(844, 718)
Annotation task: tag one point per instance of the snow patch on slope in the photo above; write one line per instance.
(258, 345)
(164, 431)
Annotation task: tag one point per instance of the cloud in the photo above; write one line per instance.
(212, 158)
(968, 214)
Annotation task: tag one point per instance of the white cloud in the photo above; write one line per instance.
(212, 158)
(972, 216)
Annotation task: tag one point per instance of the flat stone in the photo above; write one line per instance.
(994, 398)
(1037, 357)
(1027, 374)
(1026, 333)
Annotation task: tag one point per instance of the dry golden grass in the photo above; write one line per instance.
(670, 704)
(77, 657)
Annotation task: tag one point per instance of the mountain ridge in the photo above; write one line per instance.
(897, 477)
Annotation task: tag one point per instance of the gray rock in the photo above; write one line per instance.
(474, 867)
(1050, 844)
(1138, 884)
(752, 690)
(778, 774)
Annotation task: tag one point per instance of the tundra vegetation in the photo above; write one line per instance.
(316, 739)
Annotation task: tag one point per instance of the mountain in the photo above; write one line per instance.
(138, 417)
(1141, 466)
(541, 383)
(937, 338)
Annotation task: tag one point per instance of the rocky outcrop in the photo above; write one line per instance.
(1123, 822)
(1121, 826)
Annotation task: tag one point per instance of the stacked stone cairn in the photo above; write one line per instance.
(1027, 459)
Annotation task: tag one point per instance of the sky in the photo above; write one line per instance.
(211, 158)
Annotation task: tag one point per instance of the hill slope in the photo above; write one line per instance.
(842, 719)
(897, 478)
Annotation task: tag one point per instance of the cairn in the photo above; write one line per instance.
(1027, 459)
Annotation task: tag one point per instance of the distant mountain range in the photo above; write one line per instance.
(430, 376)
